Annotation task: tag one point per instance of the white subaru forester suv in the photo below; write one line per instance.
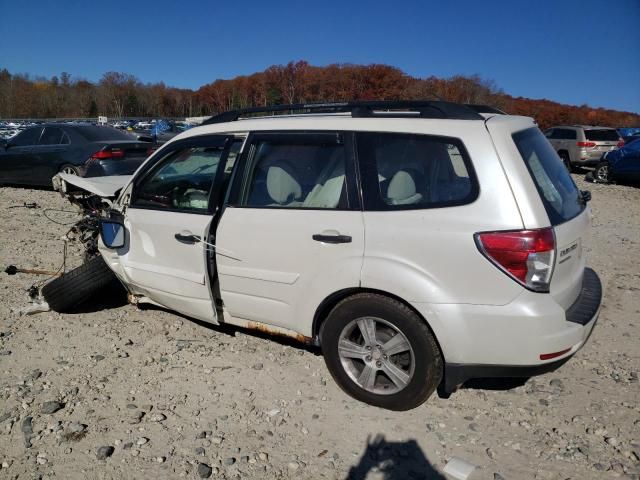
(419, 244)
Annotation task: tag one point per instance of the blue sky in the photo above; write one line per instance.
(566, 50)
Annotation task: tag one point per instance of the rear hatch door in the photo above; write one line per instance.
(606, 139)
(547, 197)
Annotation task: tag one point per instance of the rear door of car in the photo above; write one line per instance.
(552, 136)
(565, 139)
(292, 231)
(173, 203)
(547, 197)
(49, 154)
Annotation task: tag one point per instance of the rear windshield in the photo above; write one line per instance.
(560, 196)
(608, 135)
(95, 134)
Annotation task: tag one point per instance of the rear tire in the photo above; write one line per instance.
(395, 364)
(78, 285)
(70, 169)
(602, 173)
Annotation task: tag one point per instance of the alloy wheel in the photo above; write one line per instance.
(376, 355)
(602, 173)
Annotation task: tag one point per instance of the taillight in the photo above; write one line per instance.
(586, 144)
(105, 154)
(620, 143)
(527, 256)
(150, 150)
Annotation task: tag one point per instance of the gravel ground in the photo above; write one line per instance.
(128, 393)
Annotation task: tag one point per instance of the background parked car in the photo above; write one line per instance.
(631, 138)
(582, 145)
(622, 164)
(36, 154)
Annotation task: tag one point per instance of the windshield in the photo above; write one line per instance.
(559, 194)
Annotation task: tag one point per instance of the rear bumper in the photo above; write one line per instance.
(590, 158)
(579, 319)
(456, 374)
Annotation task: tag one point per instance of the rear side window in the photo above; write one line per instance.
(607, 135)
(567, 134)
(51, 136)
(405, 171)
(296, 172)
(560, 196)
(561, 134)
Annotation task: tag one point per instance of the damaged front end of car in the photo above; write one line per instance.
(95, 197)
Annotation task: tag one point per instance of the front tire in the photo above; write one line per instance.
(381, 352)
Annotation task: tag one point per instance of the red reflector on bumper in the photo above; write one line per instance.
(548, 356)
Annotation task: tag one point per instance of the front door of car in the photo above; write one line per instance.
(292, 232)
(17, 161)
(172, 206)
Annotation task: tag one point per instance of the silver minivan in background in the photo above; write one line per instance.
(582, 145)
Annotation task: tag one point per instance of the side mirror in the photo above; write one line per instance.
(586, 195)
(112, 233)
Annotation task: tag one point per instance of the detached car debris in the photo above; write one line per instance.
(397, 236)
(78, 285)
(12, 270)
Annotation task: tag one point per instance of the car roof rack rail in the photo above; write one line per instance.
(360, 109)
(482, 108)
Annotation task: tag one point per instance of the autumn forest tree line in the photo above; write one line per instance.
(118, 95)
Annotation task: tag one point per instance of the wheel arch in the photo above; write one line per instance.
(325, 307)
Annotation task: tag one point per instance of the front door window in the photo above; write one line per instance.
(182, 181)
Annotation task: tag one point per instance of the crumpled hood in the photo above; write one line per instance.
(106, 187)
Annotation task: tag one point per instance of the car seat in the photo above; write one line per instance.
(282, 187)
(329, 186)
(402, 189)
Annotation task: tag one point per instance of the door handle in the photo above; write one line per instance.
(331, 238)
(187, 238)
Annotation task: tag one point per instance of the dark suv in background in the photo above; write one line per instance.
(582, 145)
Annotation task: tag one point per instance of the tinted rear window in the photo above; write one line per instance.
(560, 196)
(95, 134)
(602, 135)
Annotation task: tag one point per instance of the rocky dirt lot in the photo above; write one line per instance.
(128, 393)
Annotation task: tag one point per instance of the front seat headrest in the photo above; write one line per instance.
(281, 186)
